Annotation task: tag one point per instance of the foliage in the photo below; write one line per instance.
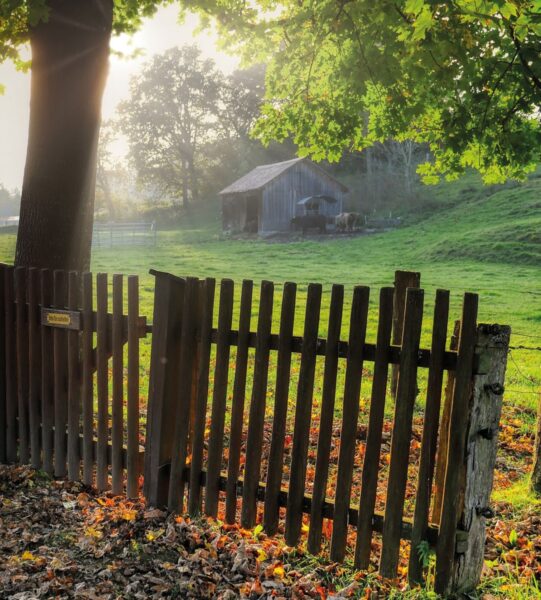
(188, 125)
(17, 17)
(10, 202)
(462, 76)
(172, 111)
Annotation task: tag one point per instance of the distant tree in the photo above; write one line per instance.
(104, 166)
(235, 151)
(10, 202)
(171, 114)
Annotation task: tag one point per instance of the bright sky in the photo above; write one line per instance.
(156, 36)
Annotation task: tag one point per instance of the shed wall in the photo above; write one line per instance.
(280, 197)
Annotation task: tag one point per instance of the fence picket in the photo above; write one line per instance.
(22, 362)
(132, 466)
(60, 378)
(402, 428)
(238, 401)
(102, 342)
(254, 442)
(350, 415)
(326, 419)
(281, 395)
(34, 368)
(88, 380)
(430, 434)
(370, 469)
(303, 413)
(3, 407)
(206, 294)
(183, 395)
(117, 423)
(216, 440)
(74, 403)
(47, 376)
(443, 441)
(445, 548)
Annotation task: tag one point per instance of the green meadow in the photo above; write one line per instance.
(461, 236)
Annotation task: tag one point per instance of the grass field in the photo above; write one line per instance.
(461, 237)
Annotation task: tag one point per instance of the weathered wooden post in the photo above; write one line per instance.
(402, 281)
(163, 385)
(535, 482)
(466, 497)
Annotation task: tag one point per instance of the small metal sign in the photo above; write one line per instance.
(66, 319)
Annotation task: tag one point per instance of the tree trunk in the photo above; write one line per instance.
(69, 68)
(536, 471)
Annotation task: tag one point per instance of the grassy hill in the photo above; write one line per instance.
(461, 236)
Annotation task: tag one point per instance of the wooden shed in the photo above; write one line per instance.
(267, 198)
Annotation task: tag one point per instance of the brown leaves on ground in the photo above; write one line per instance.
(61, 540)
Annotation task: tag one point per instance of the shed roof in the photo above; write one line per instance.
(260, 176)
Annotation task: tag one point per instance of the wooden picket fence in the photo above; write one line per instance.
(60, 357)
(191, 455)
(220, 399)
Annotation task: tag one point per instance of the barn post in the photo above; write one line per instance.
(163, 384)
(474, 492)
(402, 281)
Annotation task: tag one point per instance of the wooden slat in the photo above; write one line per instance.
(303, 414)
(60, 378)
(102, 382)
(74, 398)
(206, 294)
(430, 434)
(350, 415)
(182, 413)
(87, 381)
(11, 367)
(47, 376)
(237, 406)
(254, 442)
(34, 368)
(117, 429)
(216, 440)
(326, 419)
(21, 274)
(445, 549)
(402, 281)
(3, 407)
(402, 427)
(281, 396)
(443, 441)
(369, 481)
(163, 385)
(132, 487)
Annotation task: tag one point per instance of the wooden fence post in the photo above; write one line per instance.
(162, 390)
(402, 281)
(479, 460)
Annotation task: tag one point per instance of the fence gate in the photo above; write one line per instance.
(203, 458)
(57, 413)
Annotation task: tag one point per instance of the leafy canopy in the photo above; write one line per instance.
(463, 76)
(17, 17)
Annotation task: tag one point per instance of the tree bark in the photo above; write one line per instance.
(69, 67)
